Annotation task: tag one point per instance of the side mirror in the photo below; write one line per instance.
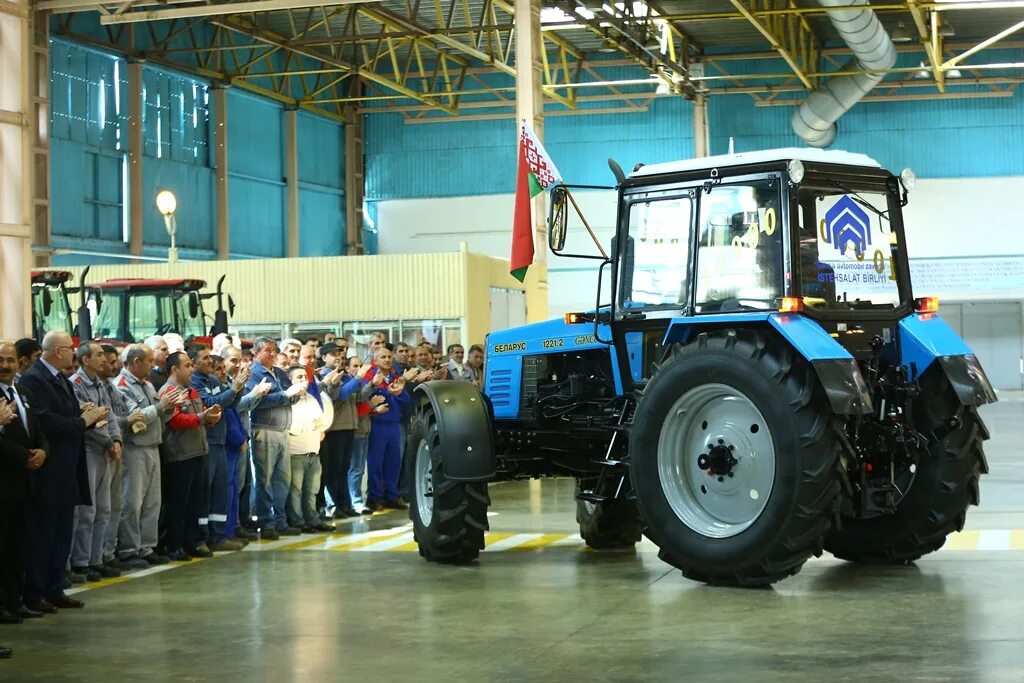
(558, 219)
(193, 305)
(47, 302)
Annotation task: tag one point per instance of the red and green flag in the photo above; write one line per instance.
(535, 173)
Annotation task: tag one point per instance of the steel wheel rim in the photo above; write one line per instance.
(424, 483)
(706, 420)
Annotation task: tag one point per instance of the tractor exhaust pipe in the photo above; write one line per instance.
(84, 327)
(873, 50)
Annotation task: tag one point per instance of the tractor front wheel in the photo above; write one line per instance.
(449, 517)
(611, 523)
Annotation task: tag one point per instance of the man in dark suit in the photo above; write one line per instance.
(21, 451)
(61, 482)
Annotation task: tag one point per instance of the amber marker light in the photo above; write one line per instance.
(574, 319)
(791, 304)
(927, 304)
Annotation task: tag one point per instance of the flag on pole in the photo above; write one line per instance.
(534, 174)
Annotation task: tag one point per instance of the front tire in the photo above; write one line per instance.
(733, 455)
(945, 485)
(612, 523)
(449, 517)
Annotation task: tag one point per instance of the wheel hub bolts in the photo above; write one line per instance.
(718, 461)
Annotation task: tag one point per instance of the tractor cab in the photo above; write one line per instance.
(704, 242)
(50, 308)
(131, 309)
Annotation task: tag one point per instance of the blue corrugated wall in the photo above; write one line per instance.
(88, 165)
(937, 138)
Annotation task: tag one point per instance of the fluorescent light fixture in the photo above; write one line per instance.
(954, 73)
(947, 30)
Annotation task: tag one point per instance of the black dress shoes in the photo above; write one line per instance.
(6, 652)
(9, 617)
(26, 613)
(41, 606)
(65, 602)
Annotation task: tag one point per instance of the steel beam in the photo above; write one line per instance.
(291, 172)
(220, 146)
(136, 202)
(789, 35)
(221, 9)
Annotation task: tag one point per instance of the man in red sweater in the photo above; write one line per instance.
(184, 446)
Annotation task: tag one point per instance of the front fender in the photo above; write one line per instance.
(466, 437)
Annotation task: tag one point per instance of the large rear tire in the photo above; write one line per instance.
(612, 523)
(945, 485)
(449, 517)
(733, 457)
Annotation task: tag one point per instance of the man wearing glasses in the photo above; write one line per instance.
(62, 481)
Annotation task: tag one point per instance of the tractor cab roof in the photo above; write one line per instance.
(126, 284)
(50, 277)
(762, 157)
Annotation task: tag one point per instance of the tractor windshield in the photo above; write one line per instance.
(53, 317)
(847, 246)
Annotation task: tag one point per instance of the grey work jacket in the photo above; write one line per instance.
(98, 440)
(139, 394)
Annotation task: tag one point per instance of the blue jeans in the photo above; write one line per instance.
(356, 469)
(273, 478)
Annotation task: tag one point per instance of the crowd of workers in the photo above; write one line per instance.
(116, 460)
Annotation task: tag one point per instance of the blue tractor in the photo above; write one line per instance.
(761, 387)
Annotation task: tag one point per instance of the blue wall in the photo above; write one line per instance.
(937, 138)
(88, 165)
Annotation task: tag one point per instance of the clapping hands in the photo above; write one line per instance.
(7, 414)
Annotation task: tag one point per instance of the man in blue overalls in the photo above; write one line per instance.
(216, 486)
(384, 459)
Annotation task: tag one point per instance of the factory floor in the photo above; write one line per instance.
(361, 605)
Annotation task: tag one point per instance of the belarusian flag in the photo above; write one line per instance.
(535, 173)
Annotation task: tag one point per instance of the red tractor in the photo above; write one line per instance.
(128, 310)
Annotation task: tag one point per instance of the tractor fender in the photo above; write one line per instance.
(836, 369)
(465, 433)
(927, 338)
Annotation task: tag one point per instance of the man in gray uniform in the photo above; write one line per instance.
(141, 493)
(102, 446)
(125, 421)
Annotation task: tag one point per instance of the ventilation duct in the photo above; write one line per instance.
(815, 120)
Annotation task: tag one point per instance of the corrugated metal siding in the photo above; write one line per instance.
(478, 157)
(337, 288)
(938, 138)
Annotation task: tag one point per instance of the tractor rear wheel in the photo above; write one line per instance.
(449, 517)
(733, 457)
(945, 484)
(612, 523)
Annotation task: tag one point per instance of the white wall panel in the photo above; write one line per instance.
(965, 237)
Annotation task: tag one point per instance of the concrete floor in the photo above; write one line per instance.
(365, 607)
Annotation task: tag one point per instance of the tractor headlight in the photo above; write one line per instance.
(908, 179)
(795, 168)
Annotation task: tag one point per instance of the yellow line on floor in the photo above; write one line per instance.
(539, 543)
(404, 548)
(367, 542)
(307, 543)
